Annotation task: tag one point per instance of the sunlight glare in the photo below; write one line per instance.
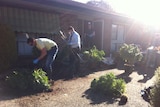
(145, 11)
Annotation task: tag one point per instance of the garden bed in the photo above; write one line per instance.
(76, 92)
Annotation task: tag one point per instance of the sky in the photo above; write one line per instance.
(145, 11)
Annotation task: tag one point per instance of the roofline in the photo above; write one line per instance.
(64, 4)
(89, 7)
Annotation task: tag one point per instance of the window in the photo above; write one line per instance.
(117, 36)
(114, 32)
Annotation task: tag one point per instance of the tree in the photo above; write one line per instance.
(101, 4)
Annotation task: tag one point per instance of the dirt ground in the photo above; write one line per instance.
(76, 92)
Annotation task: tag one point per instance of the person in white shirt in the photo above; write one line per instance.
(74, 42)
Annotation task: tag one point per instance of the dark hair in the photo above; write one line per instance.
(30, 40)
(70, 28)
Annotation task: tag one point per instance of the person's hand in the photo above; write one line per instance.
(35, 61)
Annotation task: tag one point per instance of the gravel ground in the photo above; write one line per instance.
(76, 93)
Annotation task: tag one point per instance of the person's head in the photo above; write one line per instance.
(30, 41)
(70, 29)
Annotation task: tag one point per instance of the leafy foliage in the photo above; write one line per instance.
(26, 80)
(155, 92)
(40, 80)
(130, 53)
(94, 55)
(109, 84)
(8, 53)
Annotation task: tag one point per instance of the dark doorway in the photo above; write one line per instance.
(98, 34)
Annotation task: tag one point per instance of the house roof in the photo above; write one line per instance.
(79, 5)
(61, 6)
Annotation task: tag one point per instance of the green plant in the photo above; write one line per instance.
(8, 53)
(40, 80)
(25, 80)
(109, 84)
(130, 53)
(155, 91)
(93, 56)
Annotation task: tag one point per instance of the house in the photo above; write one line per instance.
(45, 18)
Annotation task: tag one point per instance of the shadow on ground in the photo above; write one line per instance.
(98, 98)
(7, 93)
(141, 69)
(64, 72)
(147, 72)
(125, 76)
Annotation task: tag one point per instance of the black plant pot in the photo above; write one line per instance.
(128, 68)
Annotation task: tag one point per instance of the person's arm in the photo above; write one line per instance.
(43, 54)
(64, 38)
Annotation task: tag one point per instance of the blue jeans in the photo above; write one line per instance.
(51, 55)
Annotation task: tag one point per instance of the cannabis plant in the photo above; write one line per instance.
(130, 53)
(109, 84)
(26, 80)
(93, 56)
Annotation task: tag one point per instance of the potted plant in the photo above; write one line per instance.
(131, 54)
(93, 57)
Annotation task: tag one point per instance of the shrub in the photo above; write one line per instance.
(155, 91)
(130, 53)
(93, 57)
(109, 84)
(40, 80)
(26, 80)
(8, 53)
